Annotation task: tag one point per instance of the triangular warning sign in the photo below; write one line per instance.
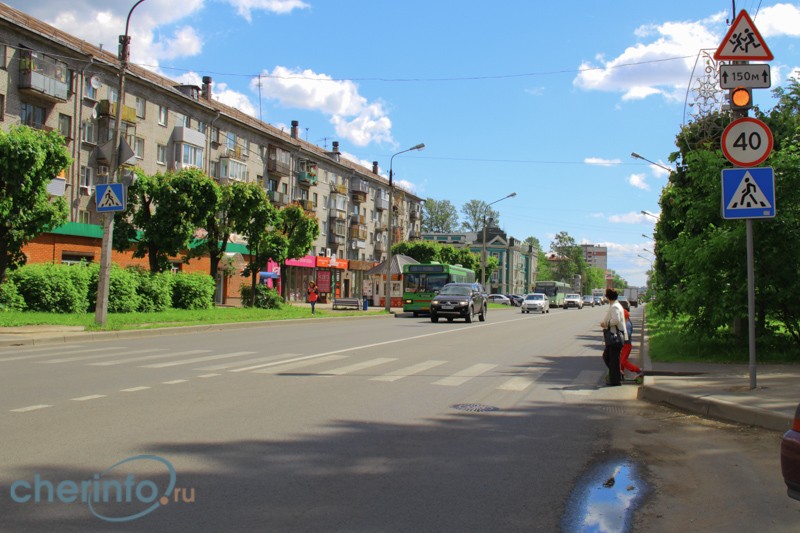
(109, 199)
(748, 195)
(743, 42)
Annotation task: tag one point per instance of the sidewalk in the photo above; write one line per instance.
(710, 390)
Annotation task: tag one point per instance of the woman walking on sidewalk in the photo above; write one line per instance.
(614, 321)
(313, 295)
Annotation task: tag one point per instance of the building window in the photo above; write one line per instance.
(245, 143)
(89, 91)
(162, 115)
(138, 147)
(161, 154)
(201, 126)
(272, 185)
(32, 115)
(65, 125)
(83, 217)
(89, 134)
(284, 188)
(141, 105)
(230, 140)
(2, 107)
(113, 95)
(87, 177)
(188, 155)
(232, 169)
(76, 258)
(3, 57)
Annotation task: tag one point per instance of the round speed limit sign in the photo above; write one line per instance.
(746, 142)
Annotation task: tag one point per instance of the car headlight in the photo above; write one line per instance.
(434, 302)
(463, 302)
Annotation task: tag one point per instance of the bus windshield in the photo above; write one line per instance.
(546, 289)
(415, 283)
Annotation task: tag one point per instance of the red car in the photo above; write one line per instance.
(790, 457)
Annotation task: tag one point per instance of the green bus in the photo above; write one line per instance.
(555, 291)
(422, 281)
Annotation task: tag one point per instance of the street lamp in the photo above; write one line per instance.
(101, 307)
(637, 156)
(647, 237)
(649, 214)
(388, 291)
(483, 247)
(648, 251)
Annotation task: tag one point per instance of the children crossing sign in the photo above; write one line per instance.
(748, 193)
(110, 197)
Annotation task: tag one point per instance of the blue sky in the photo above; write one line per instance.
(545, 99)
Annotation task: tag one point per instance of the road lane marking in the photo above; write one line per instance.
(87, 398)
(87, 357)
(148, 358)
(300, 364)
(408, 371)
(223, 366)
(175, 381)
(67, 352)
(205, 376)
(358, 366)
(516, 384)
(197, 360)
(135, 389)
(30, 408)
(459, 378)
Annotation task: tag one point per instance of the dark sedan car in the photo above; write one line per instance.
(790, 457)
(516, 299)
(459, 300)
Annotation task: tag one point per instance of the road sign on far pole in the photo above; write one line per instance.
(750, 75)
(747, 142)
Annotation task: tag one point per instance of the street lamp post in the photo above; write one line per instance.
(101, 307)
(388, 287)
(649, 214)
(637, 156)
(483, 245)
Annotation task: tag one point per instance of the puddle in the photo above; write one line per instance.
(605, 499)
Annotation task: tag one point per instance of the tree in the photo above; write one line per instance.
(163, 213)
(568, 257)
(29, 159)
(258, 225)
(427, 251)
(533, 242)
(474, 211)
(438, 216)
(300, 231)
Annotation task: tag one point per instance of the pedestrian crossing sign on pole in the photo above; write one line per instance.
(748, 193)
(110, 197)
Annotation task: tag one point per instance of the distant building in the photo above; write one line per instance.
(595, 255)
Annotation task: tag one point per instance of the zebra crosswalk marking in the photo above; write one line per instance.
(197, 360)
(516, 384)
(408, 371)
(459, 378)
(61, 352)
(359, 366)
(88, 357)
(277, 369)
(149, 358)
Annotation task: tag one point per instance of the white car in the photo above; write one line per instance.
(498, 299)
(573, 300)
(537, 302)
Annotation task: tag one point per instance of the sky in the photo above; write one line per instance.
(544, 99)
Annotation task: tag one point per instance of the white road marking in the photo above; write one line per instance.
(408, 371)
(135, 389)
(87, 398)
(175, 381)
(40, 349)
(516, 384)
(223, 366)
(87, 357)
(459, 378)
(148, 358)
(30, 408)
(358, 366)
(197, 360)
(205, 376)
(274, 363)
(300, 364)
(59, 352)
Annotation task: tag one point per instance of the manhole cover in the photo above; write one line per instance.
(474, 407)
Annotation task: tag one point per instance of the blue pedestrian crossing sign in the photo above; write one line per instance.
(110, 197)
(748, 193)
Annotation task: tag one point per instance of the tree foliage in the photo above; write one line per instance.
(427, 251)
(300, 231)
(439, 216)
(473, 213)
(29, 159)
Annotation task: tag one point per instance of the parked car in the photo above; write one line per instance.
(790, 457)
(573, 300)
(499, 299)
(624, 303)
(516, 299)
(588, 300)
(535, 302)
(459, 300)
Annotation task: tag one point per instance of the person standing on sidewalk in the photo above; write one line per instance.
(313, 295)
(615, 318)
(625, 364)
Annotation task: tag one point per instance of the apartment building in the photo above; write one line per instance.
(595, 255)
(54, 81)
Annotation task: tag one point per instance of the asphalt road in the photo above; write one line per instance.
(343, 425)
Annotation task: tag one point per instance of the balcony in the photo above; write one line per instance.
(339, 189)
(413, 214)
(358, 231)
(336, 214)
(358, 219)
(307, 205)
(381, 203)
(336, 240)
(108, 108)
(279, 162)
(307, 179)
(359, 189)
(338, 229)
(278, 198)
(380, 246)
(43, 77)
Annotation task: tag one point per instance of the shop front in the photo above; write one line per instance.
(331, 279)
(299, 272)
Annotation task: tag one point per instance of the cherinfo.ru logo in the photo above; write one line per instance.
(114, 495)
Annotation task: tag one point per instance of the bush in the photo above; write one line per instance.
(266, 297)
(53, 288)
(10, 298)
(123, 291)
(155, 290)
(193, 291)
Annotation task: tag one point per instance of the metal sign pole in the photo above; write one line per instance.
(751, 302)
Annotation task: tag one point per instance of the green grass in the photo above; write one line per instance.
(171, 318)
(670, 342)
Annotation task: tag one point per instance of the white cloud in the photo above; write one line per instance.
(632, 218)
(599, 161)
(279, 7)
(777, 20)
(639, 181)
(222, 93)
(352, 115)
